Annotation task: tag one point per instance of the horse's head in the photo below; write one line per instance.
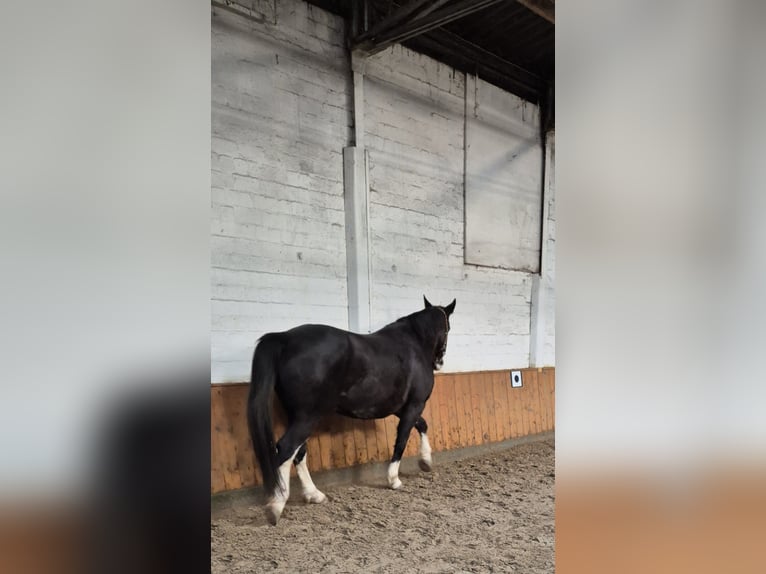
(442, 331)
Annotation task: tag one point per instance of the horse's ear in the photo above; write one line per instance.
(449, 309)
(428, 304)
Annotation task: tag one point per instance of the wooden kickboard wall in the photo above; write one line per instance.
(465, 409)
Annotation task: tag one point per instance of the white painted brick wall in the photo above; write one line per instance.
(281, 117)
(415, 123)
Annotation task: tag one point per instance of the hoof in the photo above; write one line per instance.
(315, 497)
(425, 465)
(396, 484)
(274, 511)
(272, 516)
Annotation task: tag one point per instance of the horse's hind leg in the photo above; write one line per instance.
(407, 419)
(287, 448)
(425, 447)
(310, 492)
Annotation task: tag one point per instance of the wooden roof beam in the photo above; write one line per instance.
(543, 8)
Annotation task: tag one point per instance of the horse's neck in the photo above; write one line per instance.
(419, 325)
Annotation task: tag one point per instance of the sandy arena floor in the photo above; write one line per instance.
(492, 513)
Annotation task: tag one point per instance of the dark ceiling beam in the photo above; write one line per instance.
(544, 8)
(373, 43)
(426, 11)
(485, 62)
(538, 45)
(394, 19)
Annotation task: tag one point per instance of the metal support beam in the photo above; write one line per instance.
(394, 19)
(482, 59)
(426, 11)
(543, 8)
(372, 43)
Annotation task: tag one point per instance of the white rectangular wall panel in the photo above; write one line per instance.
(503, 187)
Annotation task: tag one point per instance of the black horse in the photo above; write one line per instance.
(318, 370)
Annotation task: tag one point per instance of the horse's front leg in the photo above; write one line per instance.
(407, 419)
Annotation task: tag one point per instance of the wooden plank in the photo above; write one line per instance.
(541, 401)
(499, 412)
(381, 437)
(468, 409)
(513, 409)
(518, 408)
(525, 401)
(230, 471)
(461, 423)
(324, 438)
(337, 449)
(452, 410)
(546, 398)
(217, 443)
(532, 405)
(231, 466)
(539, 405)
(492, 382)
(349, 442)
(234, 404)
(427, 417)
(542, 384)
(490, 400)
(504, 381)
(368, 427)
(505, 386)
(446, 431)
(313, 457)
(486, 415)
(360, 442)
(478, 432)
(552, 404)
(436, 435)
(464, 391)
(481, 405)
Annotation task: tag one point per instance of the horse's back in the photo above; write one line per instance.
(312, 357)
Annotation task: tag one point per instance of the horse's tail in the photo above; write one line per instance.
(259, 405)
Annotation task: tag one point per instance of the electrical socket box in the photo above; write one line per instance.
(516, 379)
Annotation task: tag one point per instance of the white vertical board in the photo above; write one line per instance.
(357, 239)
(542, 320)
(503, 188)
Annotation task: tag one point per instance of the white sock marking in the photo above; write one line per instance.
(310, 492)
(276, 503)
(393, 475)
(425, 449)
